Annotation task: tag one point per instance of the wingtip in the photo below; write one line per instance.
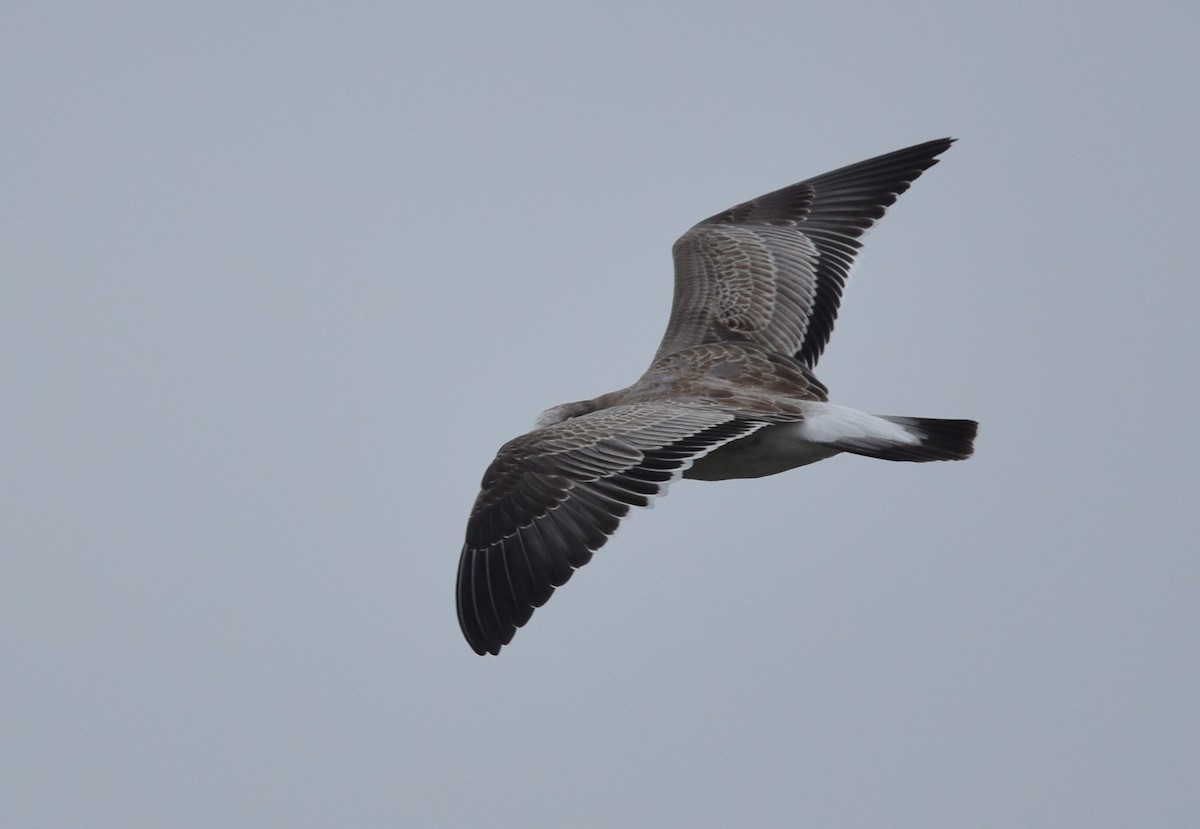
(933, 148)
(942, 144)
(929, 150)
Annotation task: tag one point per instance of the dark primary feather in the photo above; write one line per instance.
(554, 496)
(771, 270)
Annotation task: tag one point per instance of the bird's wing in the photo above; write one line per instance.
(554, 496)
(771, 270)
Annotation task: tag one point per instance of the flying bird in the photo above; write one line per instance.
(730, 393)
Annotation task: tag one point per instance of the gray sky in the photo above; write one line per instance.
(278, 281)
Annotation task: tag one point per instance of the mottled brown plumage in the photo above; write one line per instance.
(730, 393)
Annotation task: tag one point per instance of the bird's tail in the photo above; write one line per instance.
(922, 439)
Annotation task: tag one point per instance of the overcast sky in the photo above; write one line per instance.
(277, 280)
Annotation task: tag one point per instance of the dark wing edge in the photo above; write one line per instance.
(845, 203)
(833, 211)
(549, 502)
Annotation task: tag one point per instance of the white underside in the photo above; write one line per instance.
(785, 446)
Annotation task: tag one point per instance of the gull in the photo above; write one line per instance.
(730, 393)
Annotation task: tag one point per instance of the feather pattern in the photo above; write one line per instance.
(771, 270)
(554, 496)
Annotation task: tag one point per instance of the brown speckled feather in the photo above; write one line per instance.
(771, 270)
(554, 496)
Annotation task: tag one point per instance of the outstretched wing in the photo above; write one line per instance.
(771, 270)
(554, 496)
